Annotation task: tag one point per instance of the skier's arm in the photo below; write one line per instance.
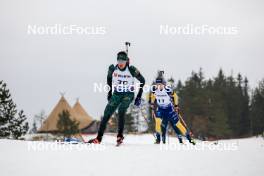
(175, 98)
(109, 80)
(152, 102)
(175, 101)
(134, 71)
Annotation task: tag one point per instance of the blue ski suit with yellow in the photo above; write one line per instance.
(166, 99)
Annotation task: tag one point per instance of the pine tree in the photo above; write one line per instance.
(66, 125)
(171, 83)
(12, 122)
(179, 86)
(135, 121)
(216, 107)
(17, 126)
(245, 117)
(6, 113)
(39, 118)
(148, 115)
(218, 126)
(132, 120)
(34, 128)
(129, 122)
(257, 110)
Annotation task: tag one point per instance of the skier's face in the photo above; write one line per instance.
(121, 64)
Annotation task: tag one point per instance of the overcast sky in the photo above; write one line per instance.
(38, 67)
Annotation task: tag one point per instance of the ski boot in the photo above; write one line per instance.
(164, 140)
(180, 140)
(119, 139)
(157, 141)
(96, 140)
(190, 139)
(179, 136)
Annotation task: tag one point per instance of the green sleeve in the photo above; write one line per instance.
(134, 71)
(111, 69)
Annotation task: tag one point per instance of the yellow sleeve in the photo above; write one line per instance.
(148, 97)
(152, 98)
(175, 98)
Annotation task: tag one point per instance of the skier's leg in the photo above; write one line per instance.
(108, 112)
(176, 124)
(125, 102)
(174, 119)
(184, 132)
(158, 129)
(164, 125)
(177, 131)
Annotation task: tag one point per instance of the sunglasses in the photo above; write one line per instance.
(121, 61)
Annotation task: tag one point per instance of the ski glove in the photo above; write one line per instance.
(137, 101)
(177, 109)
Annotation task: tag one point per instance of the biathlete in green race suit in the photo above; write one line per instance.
(120, 79)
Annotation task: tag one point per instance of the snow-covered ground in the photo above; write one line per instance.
(138, 156)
